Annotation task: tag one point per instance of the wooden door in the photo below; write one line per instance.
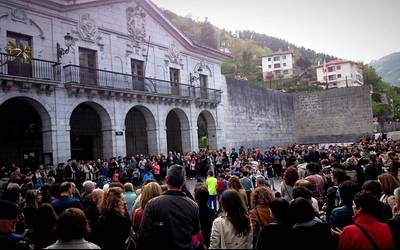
(88, 65)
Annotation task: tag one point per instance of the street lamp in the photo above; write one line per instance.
(69, 42)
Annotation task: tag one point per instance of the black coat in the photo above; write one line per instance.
(169, 222)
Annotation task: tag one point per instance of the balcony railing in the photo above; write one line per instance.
(90, 77)
(36, 69)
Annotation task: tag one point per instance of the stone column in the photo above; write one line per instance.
(152, 141)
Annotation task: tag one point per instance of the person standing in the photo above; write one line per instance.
(211, 183)
(170, 220)
(366, 232)
(232, 230)
(66, 200)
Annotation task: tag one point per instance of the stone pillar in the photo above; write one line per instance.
(63, 144)
(162, 136)
(186, 138)
(152, 141)
(49, 138)
(108, 136)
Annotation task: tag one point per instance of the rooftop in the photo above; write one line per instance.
(279, 53)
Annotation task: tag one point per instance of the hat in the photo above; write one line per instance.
(8, 210)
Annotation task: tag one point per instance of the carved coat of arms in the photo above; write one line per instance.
(87, 28)
(174, 54)
(136, 20)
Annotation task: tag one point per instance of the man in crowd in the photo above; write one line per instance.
(170, 220)
(66, 199)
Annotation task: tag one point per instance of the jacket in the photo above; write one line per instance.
(222, 228)
(311, 235)
(353, 238)
(259, 216)
(169, 222)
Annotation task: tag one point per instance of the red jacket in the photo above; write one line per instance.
(353, 238)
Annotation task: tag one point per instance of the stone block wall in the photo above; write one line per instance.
(255, 116)
(336, 115)
(258, 117)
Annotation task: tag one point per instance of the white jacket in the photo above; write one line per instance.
(222, 230)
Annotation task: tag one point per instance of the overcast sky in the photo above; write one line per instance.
(360, 30)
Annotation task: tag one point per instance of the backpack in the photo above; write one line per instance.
(221, 185)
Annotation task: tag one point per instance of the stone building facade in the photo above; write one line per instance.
(132, 83)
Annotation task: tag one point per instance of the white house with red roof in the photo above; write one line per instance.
(277, 65)
(340, 74)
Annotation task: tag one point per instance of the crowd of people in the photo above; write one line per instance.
(336, 197)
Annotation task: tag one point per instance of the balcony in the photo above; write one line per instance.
(39, 73)
(81, 79)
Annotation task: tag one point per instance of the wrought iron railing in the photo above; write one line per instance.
(108, 79)
(36, 69)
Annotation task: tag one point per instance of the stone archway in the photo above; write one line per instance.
(207, 131)
(91, 132)
(140, 131)
(178, 131)
(25, 133)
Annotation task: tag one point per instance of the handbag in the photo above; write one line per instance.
(130, 242)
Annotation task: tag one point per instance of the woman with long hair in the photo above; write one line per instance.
(234, 183)
(32, 201)
(290, 176)
(389, 184)
(232, 230)
(149, 191)
(113, 227)
(260, 213)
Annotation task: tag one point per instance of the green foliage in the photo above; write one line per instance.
(208, 36)
(377, 109)
(228, 68)
(20, 52)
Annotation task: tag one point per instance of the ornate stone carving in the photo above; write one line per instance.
(87, 28)
(136, 21)
(174, 55)
(19, 15)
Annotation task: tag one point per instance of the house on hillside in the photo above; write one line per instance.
(278, 65)
(340, 74)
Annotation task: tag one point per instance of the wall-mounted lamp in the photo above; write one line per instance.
(69, 42)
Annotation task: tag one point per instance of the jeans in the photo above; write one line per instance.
(212, 201)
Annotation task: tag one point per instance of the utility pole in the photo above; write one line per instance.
(347, 84)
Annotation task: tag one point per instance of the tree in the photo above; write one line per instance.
(208, 36)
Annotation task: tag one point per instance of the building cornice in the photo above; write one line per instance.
(151, 9)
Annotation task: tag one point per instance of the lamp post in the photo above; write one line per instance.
(69, 42)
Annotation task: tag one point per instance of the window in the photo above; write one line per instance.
(285, 72)
(331, 69)
(332, 77)
(269, 66)
(277, 72)
(88, 64)
(284, 65)
(276, 58)
(203, 86)
(283, 57)
(18, 68)
(339, 76)
(277, 65)
(174, 79)
(269, 59)
(137, 68)
(338, 67)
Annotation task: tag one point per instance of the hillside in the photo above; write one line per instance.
(388, 68)
(247, 48)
